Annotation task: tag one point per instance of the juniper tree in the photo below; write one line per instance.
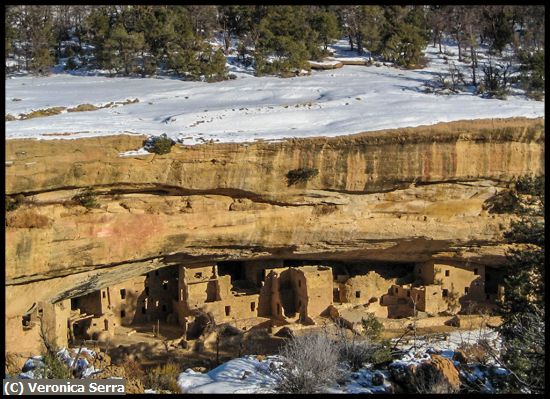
(523, 306)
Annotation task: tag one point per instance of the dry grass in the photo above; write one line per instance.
(40, 113)
(133, 370)
(163, 378)
(11, 365)
(83, 108)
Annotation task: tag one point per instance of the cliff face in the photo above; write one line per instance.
(401, 195)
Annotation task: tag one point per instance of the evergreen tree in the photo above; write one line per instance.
(523, 306)
(403, 40)
(10, 32)
(39, 21)
(436, 21)
(284, 33)
(532, 73)
(499, 24)
(325, 23)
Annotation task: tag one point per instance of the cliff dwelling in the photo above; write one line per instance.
(262, 293)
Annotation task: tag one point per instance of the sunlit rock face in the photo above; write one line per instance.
(404, 195)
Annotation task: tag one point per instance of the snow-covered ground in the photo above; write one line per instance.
(250, 375)
(34, 366)
(349, 100)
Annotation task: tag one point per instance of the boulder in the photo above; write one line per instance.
(447, 369)
(460, 357)
(377, 378)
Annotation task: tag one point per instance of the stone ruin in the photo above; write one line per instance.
(256, 293)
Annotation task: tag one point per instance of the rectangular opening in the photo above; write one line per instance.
(252, 306)
(445, 293)
(103, 294)
(106, 322)
(198, 275)
(26, 320)
(466, 289)
(227, 310)
(122, 313)
(447, 273)
(74, 303)
(476, 272)
(123, 293)
(237, 270)
(358, 294)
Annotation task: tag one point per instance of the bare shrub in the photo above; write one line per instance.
(311, 363)
(301, 175)
(53, 367)
(163, 378)
(133, 370)
(86, 198)
(475, 352)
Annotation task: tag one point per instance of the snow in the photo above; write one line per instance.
(33, 367)
(134, 153)
(250, 375)
(348, 100)
(241, 375)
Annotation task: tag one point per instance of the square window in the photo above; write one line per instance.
(227, 310)
(103, 294)
(358, 294)
(198, 275)
(447, 273)
(123, 293)
(252, 306)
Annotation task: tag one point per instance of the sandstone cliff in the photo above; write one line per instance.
(397, 195)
